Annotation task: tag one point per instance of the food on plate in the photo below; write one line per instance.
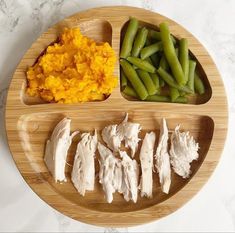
(171, 82)
(163, 63)
(57, 148)
(150, 50)
(110, 173)
(184, 149)
(83, 173)
(141, 64)
(174, 94)
(129, 91)
(130, 132)
(157, 67)
(146, 162)
(126, 131)
(123, 79)
(162, 158)
(184, 56)
(158, 98)
(198, 84)
(118, 176)
(139, 42)
(157, 35)
(170, 54)
(133, 78)
(130, 177)
(74, 69)
(112, 137)
(119, 172)
(148, 81)
(156, 82)
(129, 38)
(192, 66)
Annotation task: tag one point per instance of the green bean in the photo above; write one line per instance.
(182, 93)
(162, 98)
(155, 59)
(147, 42)
(129, 38)
(169, 51)
(184, 57)
(174, 94)
(182, 100)
(177, 52)
(123, 79)
(163, 63)
(161, 82)
(130, 91)
(148, 82)
(198, 84)
(157, 36)
(154, 35)
(150, 50)
(192, 66)
(134, 79)
(153, 76)
(158, 98)
(155, 79)
(148, 59)
(173, 40)
(171, 82)
(139, 42)
(141, 64)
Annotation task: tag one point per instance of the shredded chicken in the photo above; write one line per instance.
(57, 148)
(129, 132)
(183, 151)
(162, 159)
(83, 173)
(118, 176)
(110, 174)
(111, 137)
(146, 161)
(130, 177)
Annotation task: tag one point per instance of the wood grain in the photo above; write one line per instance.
(29, 122)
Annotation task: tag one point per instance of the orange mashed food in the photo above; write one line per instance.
(76, 69)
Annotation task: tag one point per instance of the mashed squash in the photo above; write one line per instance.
(76, 69)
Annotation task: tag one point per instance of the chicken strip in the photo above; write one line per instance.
(83, 173)
(183, 151)
(118, 176)
(57, 148)
(162, 159)
(109, 175)
(146, 161)
(111, 137)
(129, 132)
(130, 177)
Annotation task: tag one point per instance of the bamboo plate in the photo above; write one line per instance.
(29, 122)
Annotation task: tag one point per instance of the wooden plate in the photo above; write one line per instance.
(29, 123)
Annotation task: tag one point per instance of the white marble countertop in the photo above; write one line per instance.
(211, 21)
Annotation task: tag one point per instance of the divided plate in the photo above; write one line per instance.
(30, 121)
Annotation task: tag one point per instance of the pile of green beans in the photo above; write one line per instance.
(155, 66)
